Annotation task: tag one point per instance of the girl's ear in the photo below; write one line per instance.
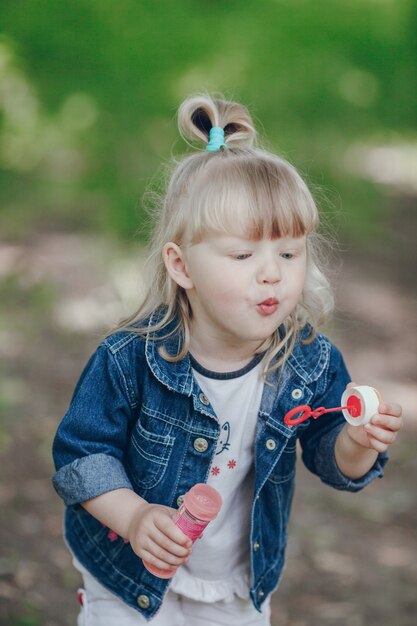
(176, 265)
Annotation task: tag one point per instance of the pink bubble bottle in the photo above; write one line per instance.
(201, 505)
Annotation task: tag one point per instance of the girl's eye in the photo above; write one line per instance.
(242, 256)
(287, 255)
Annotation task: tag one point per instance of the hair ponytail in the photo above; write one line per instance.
(199, 113)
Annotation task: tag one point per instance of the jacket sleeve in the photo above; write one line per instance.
(318, 439)
(90, 442)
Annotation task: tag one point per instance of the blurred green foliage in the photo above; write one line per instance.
(89, 91)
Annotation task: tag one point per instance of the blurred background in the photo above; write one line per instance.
(88, 96)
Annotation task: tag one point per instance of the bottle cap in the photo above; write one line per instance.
(203, 502)
(362, 402)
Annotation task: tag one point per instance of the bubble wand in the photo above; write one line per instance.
(359, 404)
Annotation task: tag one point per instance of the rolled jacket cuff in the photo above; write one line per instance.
(89, 477)
(329, 471)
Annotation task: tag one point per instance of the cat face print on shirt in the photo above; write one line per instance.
(223, 442)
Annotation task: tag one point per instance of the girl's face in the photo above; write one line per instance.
(241, 290)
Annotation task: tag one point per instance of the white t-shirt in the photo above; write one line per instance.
(219, 567)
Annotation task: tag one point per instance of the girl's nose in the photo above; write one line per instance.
(269, 274)
(270, 280)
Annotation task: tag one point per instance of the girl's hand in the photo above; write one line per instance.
(381, 431)
(156, 539)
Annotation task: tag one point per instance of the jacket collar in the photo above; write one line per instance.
(309, 360)
(177, 376)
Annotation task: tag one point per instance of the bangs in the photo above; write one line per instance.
(250, 197)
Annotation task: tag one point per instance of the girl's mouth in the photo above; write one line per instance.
(267, 307)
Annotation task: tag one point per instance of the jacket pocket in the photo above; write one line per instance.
(285, 467)
(148, 456)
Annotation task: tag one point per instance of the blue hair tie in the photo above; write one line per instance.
(216, 140)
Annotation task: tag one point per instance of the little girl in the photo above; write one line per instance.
(194, 388)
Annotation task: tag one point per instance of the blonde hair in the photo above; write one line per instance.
(241, 190)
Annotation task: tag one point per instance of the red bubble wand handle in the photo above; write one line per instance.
(304, 412)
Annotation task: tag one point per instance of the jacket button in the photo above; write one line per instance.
(143, 601)
(203, 399)
(296, 394)
(200, 444)
(271, 444)
(256, 546)
(180, 501)
(260, 593)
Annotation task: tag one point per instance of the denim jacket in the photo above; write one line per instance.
(140, 422)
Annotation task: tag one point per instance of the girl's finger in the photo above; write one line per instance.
(390, 408)
(150, 557)
(381, 434)
(387, 421)
(167, 527)
(167, 544)
(377, 445)
(165, 556)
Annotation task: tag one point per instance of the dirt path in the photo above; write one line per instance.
(351, 558)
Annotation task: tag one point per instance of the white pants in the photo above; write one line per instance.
(100, 607)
